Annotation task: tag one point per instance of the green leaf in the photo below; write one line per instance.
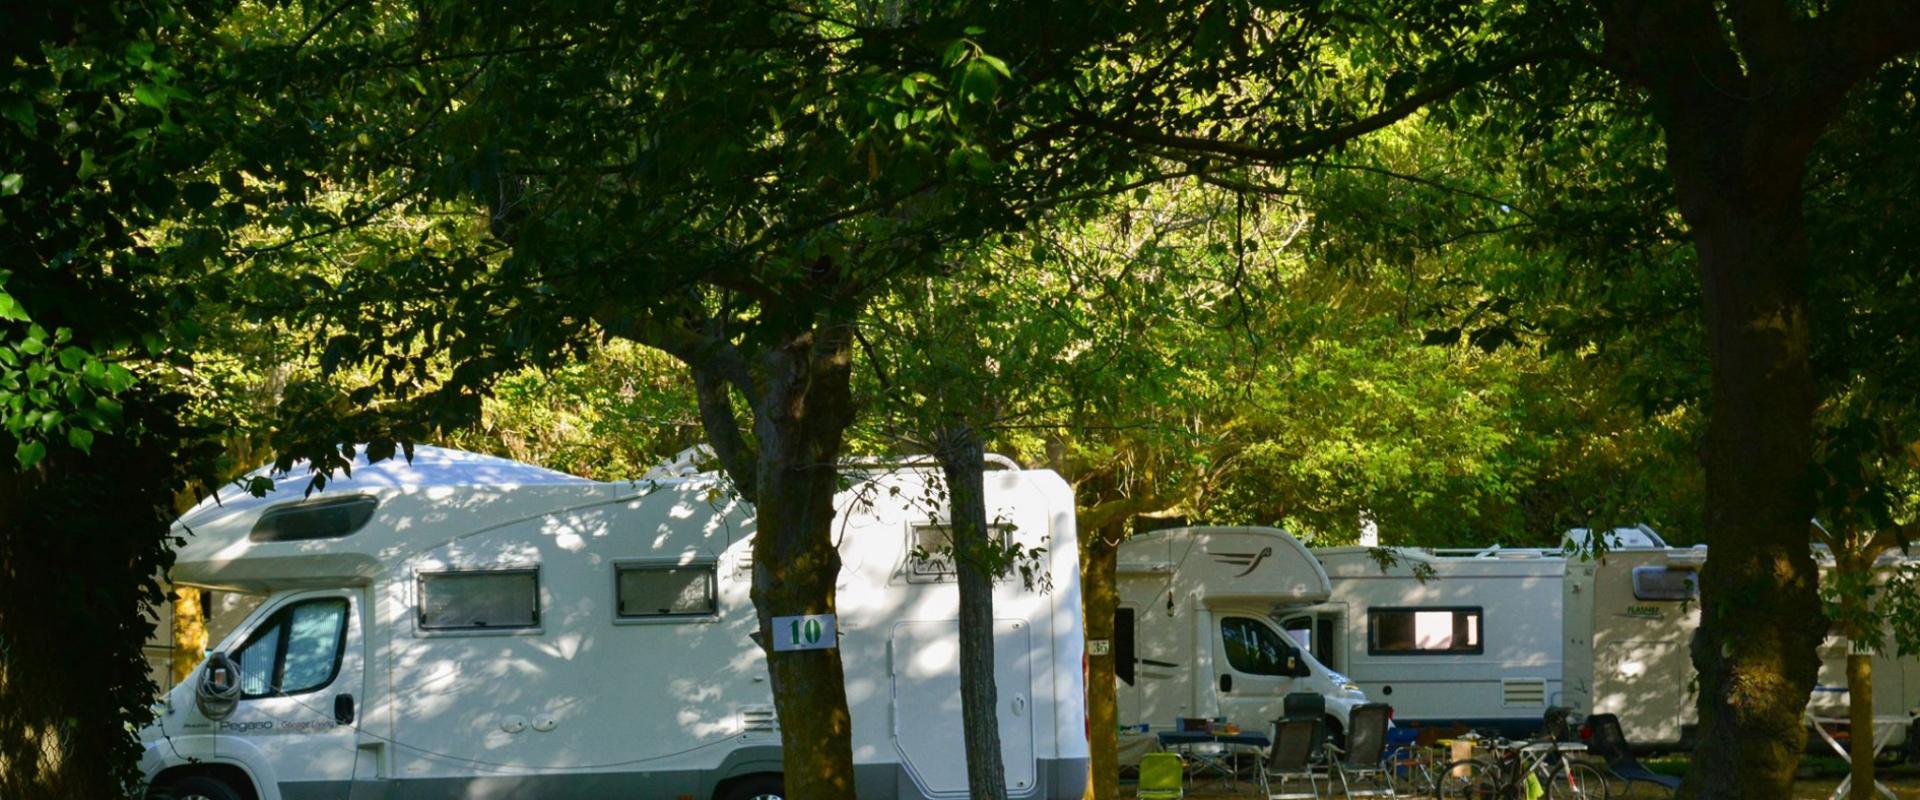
(19, 109)
(118, 379)
(30, 453)
(72, 358)
(151, 95)
(10, 184)
(10, 308)
(81, 439)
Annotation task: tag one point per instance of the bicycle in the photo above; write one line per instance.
(1505, 774)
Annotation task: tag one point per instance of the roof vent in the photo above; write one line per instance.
(759, 719)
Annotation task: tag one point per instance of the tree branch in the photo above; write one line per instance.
(1323, 140)
(715, 400)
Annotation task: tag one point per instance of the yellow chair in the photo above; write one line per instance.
(1162, 777)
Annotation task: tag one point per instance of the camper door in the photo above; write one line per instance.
(1254, 666)
(300, 681)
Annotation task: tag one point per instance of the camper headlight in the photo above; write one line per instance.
(1352, 688)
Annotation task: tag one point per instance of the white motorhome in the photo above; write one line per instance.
(1631, 615)
(470, 627)
(1195, 636)
(1449, 637)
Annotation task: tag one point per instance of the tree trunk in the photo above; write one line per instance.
(962, 456)
(1860, 723)
(1098, 561)
(805, 406)
(189, 631)
(1738, 182)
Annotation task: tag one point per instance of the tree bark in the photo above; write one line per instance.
(962, 456)
(801, 416)
(189, 631)
(1860, 724)
(1099, 555)
(1738, 181)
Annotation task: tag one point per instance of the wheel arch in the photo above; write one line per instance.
(232, 774)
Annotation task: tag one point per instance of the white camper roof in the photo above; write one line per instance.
(1230, 563)
(402, 507)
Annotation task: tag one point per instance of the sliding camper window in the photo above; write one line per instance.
(665, 591)
(1255, 649)
(1665, 583)
(297, 650)
(318, 518)
(480, 600)
(1424, 631)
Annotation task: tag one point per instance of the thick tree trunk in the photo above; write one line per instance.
(800, 419)
(1098, 559)
(1738, 182)
(1860, 723)
(189, 631)
(962, 455)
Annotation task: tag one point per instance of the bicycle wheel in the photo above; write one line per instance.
(1576, 781)
(1469, 779)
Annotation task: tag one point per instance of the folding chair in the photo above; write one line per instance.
(1610, 742)
(1291, 759)
(1162, 777)
(1309, 706)
(1360, 762)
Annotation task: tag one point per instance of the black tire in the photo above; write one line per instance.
(1470, 779)
(195, 787)
(1336, 735)
(756, 787)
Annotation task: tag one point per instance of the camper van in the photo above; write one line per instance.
(1631, 615)
(464, 626)
(1449, 637)
(1195, 632)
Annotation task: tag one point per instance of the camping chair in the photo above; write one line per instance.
(1610, 742)
(1291, 759)
(1366, 744)
(1162, 777)
(1310, 706)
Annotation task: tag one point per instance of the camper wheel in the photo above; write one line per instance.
(1336, 735)
(196, 787)
(764, 786)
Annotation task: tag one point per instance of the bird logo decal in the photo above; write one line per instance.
(1249, 560)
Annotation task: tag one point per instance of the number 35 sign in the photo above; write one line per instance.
(810, 632)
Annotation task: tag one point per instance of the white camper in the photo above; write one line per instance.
(469, 627)
(1195, 636)
(1449, 637)
(1631, 615)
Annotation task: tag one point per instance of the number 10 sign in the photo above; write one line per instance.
(810, 632)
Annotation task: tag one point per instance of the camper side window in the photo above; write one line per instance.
(930, 552)
(1424, 631)
(1123, 646)
(665, 591)
(480, 600)
(1663, 583)
(1253, 648)
(296, 650)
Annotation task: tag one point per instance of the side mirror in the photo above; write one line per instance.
(222, 674)
(219, 689)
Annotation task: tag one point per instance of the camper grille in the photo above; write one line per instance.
(759, 719)
(1528, 692)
